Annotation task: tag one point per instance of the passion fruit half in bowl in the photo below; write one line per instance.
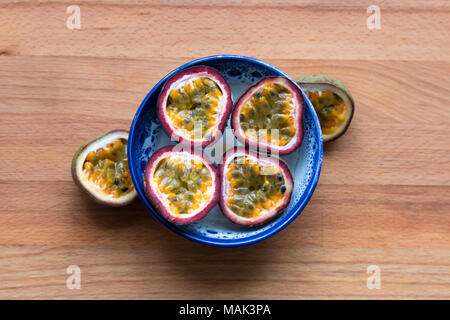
(100, 168)
(147, 136)
(269, 116)
(254, 187)
(332, 102)
(182, 185)
(194, 105)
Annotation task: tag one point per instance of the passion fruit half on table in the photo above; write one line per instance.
(182, 185)
(332, 101)
(194, 105)
(269, 116)
(254, 188)
(100, 168)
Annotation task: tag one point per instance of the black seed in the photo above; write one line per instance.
(326, 110)
(187, 121)
(174, 199)
(283, 189)
(252, 112)
(116, 182)
(258, 94)
(207, 106)
(251, 207)
(124, 189)
(284, 131)
(236, 208)
(265, 188)
(242, 190)
(272, 93)
(244, 127)
(235, 174)
(279, 177)
(242, 117)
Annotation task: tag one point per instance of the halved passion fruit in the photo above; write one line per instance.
(181, 184)
(100, 168)
(254, 188)
(269, 116)
(332, 102)
(194, 105)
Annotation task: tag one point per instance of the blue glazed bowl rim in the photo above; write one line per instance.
(237, 242)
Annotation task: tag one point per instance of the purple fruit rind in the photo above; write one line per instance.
(162, 101)
(235, 121)
(233, 217)
(159, 205)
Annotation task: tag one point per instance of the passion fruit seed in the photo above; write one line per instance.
(184, 182)
(270, 107)
(330, 109)
(195, 105)
(108, 168)
(250, 190)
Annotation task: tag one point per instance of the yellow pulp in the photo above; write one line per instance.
(184, 182)
(253, 187)
(330, 108)
(269, 115)
(194, 108)
(108, 169)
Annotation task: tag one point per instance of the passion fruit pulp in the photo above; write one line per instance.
(182, 185)
(332, 101)
(100, 168)
(254, 188)
(269, 116)
(194, 105)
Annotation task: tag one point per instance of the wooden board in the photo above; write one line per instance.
(382, 198)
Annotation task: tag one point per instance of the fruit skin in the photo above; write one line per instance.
(156, 202)
(162, 100)
(332, 84)
(235, 122)
(119, 202)
(251, 222)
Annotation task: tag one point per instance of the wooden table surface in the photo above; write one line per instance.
(383, 197)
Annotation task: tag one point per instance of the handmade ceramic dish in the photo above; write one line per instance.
(147, 136)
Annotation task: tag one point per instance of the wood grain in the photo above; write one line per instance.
(382, 198)
(179, 29)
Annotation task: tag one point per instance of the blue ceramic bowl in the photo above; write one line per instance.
(146, 136)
